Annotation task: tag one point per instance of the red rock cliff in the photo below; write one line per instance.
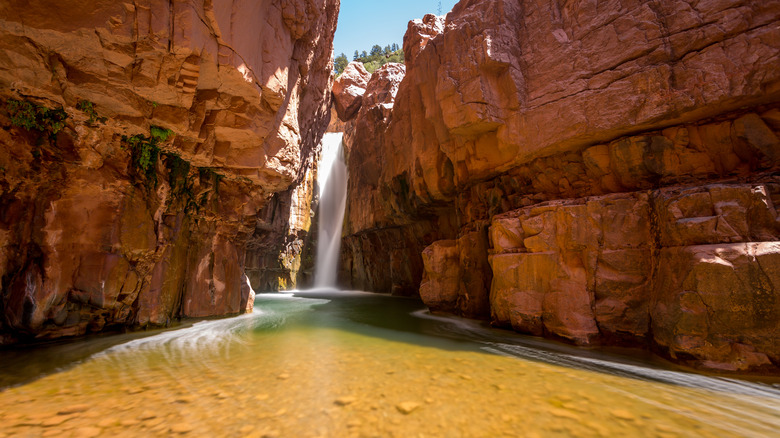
(601, 172)
(181, 121)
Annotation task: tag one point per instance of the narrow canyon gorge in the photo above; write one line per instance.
(535, 218)
(597, 172)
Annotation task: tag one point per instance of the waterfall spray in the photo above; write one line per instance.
(332, 179)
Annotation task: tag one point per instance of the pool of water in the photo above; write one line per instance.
(328, 363)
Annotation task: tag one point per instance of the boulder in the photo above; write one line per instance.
(348, 90)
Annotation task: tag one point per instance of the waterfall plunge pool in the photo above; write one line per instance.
(333, 363)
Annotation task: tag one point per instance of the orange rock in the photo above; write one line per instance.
(87, 240)
(717, 305)
(566, 263)
(592, 140)
(348, 90)
(419, 33)
(440, 285)
(583, 270)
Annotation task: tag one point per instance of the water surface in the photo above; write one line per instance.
(353, 364)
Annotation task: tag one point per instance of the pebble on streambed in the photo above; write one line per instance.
(407, 407)
(344, 401)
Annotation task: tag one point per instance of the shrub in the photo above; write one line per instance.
(89, 109)
(145, 152)
(34, 117)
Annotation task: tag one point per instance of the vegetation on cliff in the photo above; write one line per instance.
(33, 117)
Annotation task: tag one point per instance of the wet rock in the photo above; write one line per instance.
(623, 414)
(439, 287)
(55, 421)
(457, 277)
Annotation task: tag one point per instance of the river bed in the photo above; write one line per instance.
(335, 364)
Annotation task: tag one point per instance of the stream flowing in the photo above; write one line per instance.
(325, 363)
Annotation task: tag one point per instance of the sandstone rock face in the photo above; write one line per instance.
(605, 147)
(418, 33)
(718, 303)
(348, 90)
(280, 253)
(457, 277)
(439, 286)
(552, 261)
(608, 268)
(367, 256)
(97, 231)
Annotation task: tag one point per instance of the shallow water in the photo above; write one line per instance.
(354, 364)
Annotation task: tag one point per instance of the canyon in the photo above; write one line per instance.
(150, 152)
(602, 173)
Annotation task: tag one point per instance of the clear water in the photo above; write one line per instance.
(337, 364)
(332, 180)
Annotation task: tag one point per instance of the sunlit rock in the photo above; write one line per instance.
(348, 90)
(97, 233)
(591, 139)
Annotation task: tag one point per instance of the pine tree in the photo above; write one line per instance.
(356, 56)
(340, 63)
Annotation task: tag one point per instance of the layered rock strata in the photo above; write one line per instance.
(596, 173)
(183, 119)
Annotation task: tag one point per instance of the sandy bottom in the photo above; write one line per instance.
(314, 381)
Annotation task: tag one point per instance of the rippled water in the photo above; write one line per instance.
(354, 364)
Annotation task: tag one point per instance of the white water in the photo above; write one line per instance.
(332, 179)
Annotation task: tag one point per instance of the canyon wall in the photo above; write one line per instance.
(145, 148)
(597, 172)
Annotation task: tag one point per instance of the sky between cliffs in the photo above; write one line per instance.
(363, 23)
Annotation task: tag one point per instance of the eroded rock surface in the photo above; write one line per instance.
(679, 265)
(98, 233)
(604, 146)
(348, 90)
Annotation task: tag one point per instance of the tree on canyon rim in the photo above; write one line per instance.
(340, 63)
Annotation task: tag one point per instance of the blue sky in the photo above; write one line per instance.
(363, 23)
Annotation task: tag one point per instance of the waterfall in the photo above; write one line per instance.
(332, 180)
